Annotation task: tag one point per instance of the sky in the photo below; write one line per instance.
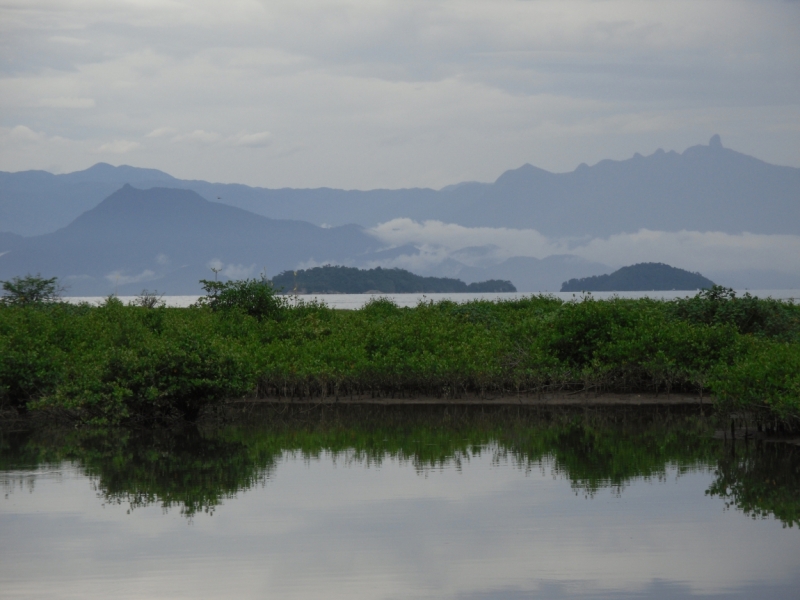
(367, 94)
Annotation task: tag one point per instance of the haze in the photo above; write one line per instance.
(390, 94)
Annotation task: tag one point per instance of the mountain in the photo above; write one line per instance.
(705, 188)
(37, 202)
(348, 280)
(168, 239)
(643, 277)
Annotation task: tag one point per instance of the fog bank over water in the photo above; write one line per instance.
(436, 247)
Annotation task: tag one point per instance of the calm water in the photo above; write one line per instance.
(391, 505)
(355, 301)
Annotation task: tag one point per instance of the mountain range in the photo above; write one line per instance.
(120, 229)
(170, 239)
(705, 188)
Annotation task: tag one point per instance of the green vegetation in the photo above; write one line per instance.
(31, 289)
(643, 277)
(195, 470)
(348, 280)
(114, 364)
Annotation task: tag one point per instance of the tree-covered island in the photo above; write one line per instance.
(331, 279)
(642, 277)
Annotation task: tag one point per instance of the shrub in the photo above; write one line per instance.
(31, 289)
(750, 315)
(766, 375)
(255, 297)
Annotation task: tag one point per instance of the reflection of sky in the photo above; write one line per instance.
(336, 529)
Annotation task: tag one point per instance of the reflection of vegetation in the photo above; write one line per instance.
(196, 470)
(760, 479)
(172, 468)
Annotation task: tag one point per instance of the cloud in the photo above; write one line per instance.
(22, 133)
(119, 147)
(397, 94)
(703, 251)
(232, 271)
(69, 40)
(198, 136)
(117, 278)
(697, 251)
(251, 140)
(63, 102)
(161, 132)
(499, 242)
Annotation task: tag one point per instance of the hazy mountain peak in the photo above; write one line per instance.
(715, 141)
(104, 172)
(525, 173)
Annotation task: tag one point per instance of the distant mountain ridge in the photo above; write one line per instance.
(705, 188)
(642, 277)
(169, 239)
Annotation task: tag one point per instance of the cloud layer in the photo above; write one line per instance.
(432, 242)
(391, 93)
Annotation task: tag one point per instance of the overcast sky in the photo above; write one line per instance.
(366, 94)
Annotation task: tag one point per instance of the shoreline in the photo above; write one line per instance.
(587, 399)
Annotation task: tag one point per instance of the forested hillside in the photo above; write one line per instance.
(348, 280)
(643, 277)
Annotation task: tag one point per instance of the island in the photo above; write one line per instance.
(331, 279)
(642, 277)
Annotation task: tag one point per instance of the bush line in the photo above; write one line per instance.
(116, 363)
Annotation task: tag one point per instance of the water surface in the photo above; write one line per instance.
(356, 301)
(415, 504)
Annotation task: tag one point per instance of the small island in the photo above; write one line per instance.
(642, 277)
(349, 280)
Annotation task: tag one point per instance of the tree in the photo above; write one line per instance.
(31, 289)
(256, 297)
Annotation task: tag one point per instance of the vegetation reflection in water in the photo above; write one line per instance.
(196, 469)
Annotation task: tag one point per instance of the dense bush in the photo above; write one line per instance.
(750, 315)
(254, 297)
(114, 363)
(31, 289)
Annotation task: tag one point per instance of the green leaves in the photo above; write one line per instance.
(31, 289)
(116, 363)
(765, 375)
(254, 297)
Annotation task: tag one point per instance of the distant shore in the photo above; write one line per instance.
(356, 301)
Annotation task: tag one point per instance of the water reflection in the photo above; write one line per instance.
(382, 503)
(194, 470)
(761, 479)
